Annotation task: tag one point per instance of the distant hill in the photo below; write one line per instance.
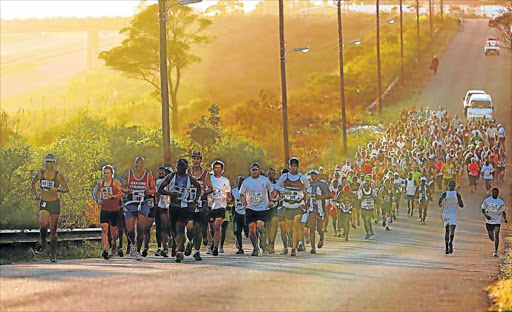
(64, 24)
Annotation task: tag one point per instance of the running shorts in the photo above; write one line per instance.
(53, 207)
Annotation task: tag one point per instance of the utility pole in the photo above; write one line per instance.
(342, 80)
(164, 90)
(379, 82)
(430, 17)
(418, 40)
(284, 96)
(401, 42)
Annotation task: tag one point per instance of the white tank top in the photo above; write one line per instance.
(450, 203)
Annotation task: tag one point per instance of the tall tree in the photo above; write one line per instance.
(138, 55)
(503, 25)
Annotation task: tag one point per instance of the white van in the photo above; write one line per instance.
(480, 106)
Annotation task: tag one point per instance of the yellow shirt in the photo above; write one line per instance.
(448, 170)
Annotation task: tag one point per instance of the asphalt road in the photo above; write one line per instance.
(402, 270)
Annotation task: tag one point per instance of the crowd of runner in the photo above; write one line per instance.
(424, 153)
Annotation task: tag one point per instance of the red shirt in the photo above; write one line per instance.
(473, 169)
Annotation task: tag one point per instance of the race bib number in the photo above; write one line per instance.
(138, 196)
(217, 194)
(106, 191)
(47, 184)
(256, 196)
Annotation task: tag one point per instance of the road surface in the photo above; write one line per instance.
(402, 270)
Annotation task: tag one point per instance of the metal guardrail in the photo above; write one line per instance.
(30, 236)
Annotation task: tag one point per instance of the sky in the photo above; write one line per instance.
(23, 9)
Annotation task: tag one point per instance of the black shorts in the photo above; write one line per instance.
(182, 215)
(291, 213)
(152, 213)
(472, 180)
(200, 217)
(216, 214)
(491, 227)
(110, 217)
(252, 216)
(53, 207)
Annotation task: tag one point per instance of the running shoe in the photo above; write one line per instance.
(145, 253)
(300, 248)
(188, 249)
(138, 256)
(335, 233)
(376, 221)
(120, 252)
(384, 223)
(284, 252)
(372, 233)
(321, 244)
(495, 254)
(387, 228)
(164, 254)
(240, 252)
(132, 250)
(346, 239)
(41, 248)
(367, 236)
(340, 235)
(53, 259)
(221, 249)
(104, 254)
(179, 256)
(197, 256)
(216, 252)
(209, 251)
(293, 253)
(254, 253)
(423, 222)
(312, 251)
(271, 249)
(158, 253)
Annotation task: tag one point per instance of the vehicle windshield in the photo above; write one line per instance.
(480, 104)
(492, 43)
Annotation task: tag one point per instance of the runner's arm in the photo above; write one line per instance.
(125, 183)
(151, 188)
(161, 189)
(36, 178)
(119, 187)
(459, 199)
(441, 198)
(63, 188)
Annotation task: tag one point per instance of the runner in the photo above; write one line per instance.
(449, 201)
(273, 218)
(221, 196)
(182, 204)
(109, 193)
(488, 175)
(448, 170)
(292, 186)
(344, 200)
(367, 196)
(286, 239)
(410, 192)
(424, 197)
(152, 203)
(239, 224)
(319, 193)
(51, 182)
(200, 224)
(399, 185)
(162, 216)
(473, 171)
(493, 209)
(138, 183)
(254, 193)
(386, 198)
